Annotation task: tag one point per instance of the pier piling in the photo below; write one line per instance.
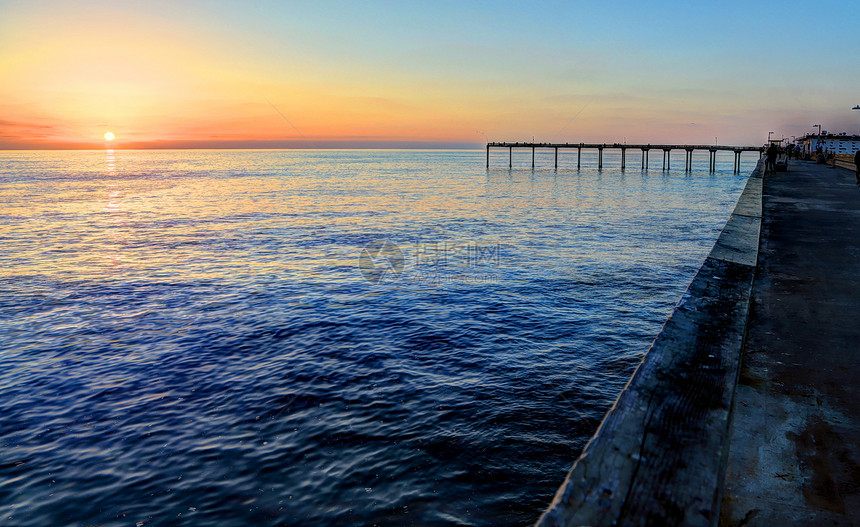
(644, 148)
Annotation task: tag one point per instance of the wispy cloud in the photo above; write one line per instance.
(28, 126)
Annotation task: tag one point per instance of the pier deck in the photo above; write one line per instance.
(794, 457)
(623, 147)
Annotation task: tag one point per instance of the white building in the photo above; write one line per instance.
(843, 144)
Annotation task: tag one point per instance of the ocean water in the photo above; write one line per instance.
(325, 337)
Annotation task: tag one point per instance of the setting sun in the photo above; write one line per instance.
(109, 136)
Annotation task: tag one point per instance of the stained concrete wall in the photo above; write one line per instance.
(659, 455)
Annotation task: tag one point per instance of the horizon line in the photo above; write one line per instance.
(335, 144)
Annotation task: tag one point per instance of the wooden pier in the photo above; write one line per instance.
(645, 150)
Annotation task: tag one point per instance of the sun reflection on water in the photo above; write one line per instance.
(115, 222)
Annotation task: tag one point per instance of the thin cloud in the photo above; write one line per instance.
(34, 126)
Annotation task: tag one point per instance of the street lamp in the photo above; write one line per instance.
(768, 137)
(818, 142)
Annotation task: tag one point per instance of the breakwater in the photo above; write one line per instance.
(660, 452)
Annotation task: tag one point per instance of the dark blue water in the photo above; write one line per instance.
(323, 337)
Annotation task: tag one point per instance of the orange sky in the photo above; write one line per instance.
(222, 73)
(150, 80)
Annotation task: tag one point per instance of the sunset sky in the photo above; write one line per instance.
(263, 74)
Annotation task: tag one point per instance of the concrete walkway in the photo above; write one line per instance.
(794, 455)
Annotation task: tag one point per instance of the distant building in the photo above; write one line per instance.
(839, 143)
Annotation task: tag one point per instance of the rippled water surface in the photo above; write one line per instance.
(324, 337)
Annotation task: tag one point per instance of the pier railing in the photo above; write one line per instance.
(623, 147)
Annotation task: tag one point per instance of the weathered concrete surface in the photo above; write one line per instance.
(795, 442)
(659, 455)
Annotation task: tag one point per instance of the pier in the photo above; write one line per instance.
(623, 147)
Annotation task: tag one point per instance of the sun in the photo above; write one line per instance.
(109, 136)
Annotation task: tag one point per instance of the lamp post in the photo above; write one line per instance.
(768, 137)
(817, 142)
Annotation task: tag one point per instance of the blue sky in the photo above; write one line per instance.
(447, 71)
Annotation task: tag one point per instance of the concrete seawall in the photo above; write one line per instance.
(659, 455)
